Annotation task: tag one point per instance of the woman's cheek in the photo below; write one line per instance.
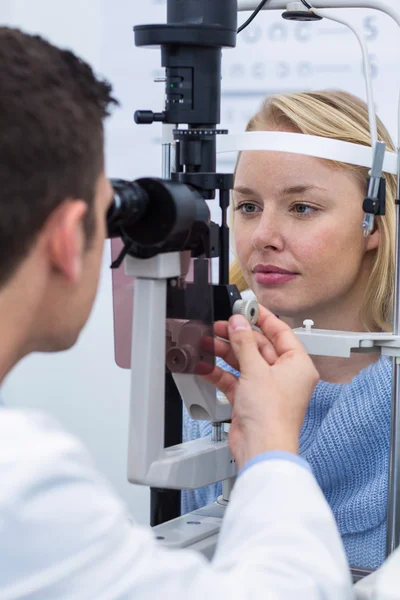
(243, 244)
(317, 245)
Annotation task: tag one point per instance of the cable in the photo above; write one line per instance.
(398, 128)
(368, 222)
(367, 67)
(253, 16)
(331, 14)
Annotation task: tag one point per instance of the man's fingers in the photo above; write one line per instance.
(221, 329)
(243, 344)
(268, 353)
(280, 334)
(223, 349)
(208, 344)
(203, 368)
(220, 348)
(223, 381)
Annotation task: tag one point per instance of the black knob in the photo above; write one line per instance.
(145, 117)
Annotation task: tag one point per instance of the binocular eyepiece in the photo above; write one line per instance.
(129, 203)
(154, 215)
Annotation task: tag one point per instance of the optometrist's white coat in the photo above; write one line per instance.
(65, 535)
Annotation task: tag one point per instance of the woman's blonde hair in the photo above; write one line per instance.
(341, 116)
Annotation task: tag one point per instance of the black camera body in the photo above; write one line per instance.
(153, 215)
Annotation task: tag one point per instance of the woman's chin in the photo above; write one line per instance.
(274, 301)
(284, 309)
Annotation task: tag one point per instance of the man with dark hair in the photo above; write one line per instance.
(63, 534)
(51, 109)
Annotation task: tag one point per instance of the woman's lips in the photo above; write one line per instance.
(272, 274)
(268, 278)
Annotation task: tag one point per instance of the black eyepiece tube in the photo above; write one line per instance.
(129, 203)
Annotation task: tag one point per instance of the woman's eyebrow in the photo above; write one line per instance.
(293, 190)
(245, 191)
(300, 189)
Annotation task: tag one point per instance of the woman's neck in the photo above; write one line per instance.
(336, 369)
(342, 370)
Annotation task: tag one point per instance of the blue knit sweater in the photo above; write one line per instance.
(345, 438)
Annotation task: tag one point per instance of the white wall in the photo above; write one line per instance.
(84, 388)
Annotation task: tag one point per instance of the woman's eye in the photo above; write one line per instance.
(303, 209)
(247, 208)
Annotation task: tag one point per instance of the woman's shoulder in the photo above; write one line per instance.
(377, 373)
(371, 383)
(369, 391)
(380, 372)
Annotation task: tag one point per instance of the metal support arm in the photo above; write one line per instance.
(190, 465)
(392, 9)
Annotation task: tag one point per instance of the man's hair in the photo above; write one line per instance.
(52, 108)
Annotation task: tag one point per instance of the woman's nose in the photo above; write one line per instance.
(268, 234)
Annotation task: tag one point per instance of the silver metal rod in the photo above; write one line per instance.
(166, 161)
(217, 432)
(374, 182)
(227, 486)
(396, 308)
(393, 510)
(168, 154)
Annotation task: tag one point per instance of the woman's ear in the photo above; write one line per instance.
(372, 241)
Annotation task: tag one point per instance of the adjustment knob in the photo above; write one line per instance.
(146, 117)
(248, 308)
(178, 360)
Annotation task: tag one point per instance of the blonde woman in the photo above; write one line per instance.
(300, 249)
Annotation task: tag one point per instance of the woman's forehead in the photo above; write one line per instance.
(285, 160)
(261, 163)
(257, 167)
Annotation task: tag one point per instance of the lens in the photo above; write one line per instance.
(130, 202)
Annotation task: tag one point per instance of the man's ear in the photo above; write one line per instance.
(66, 239)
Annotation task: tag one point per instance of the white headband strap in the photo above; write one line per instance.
(310, 145)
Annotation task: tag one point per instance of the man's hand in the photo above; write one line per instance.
(271, 397)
